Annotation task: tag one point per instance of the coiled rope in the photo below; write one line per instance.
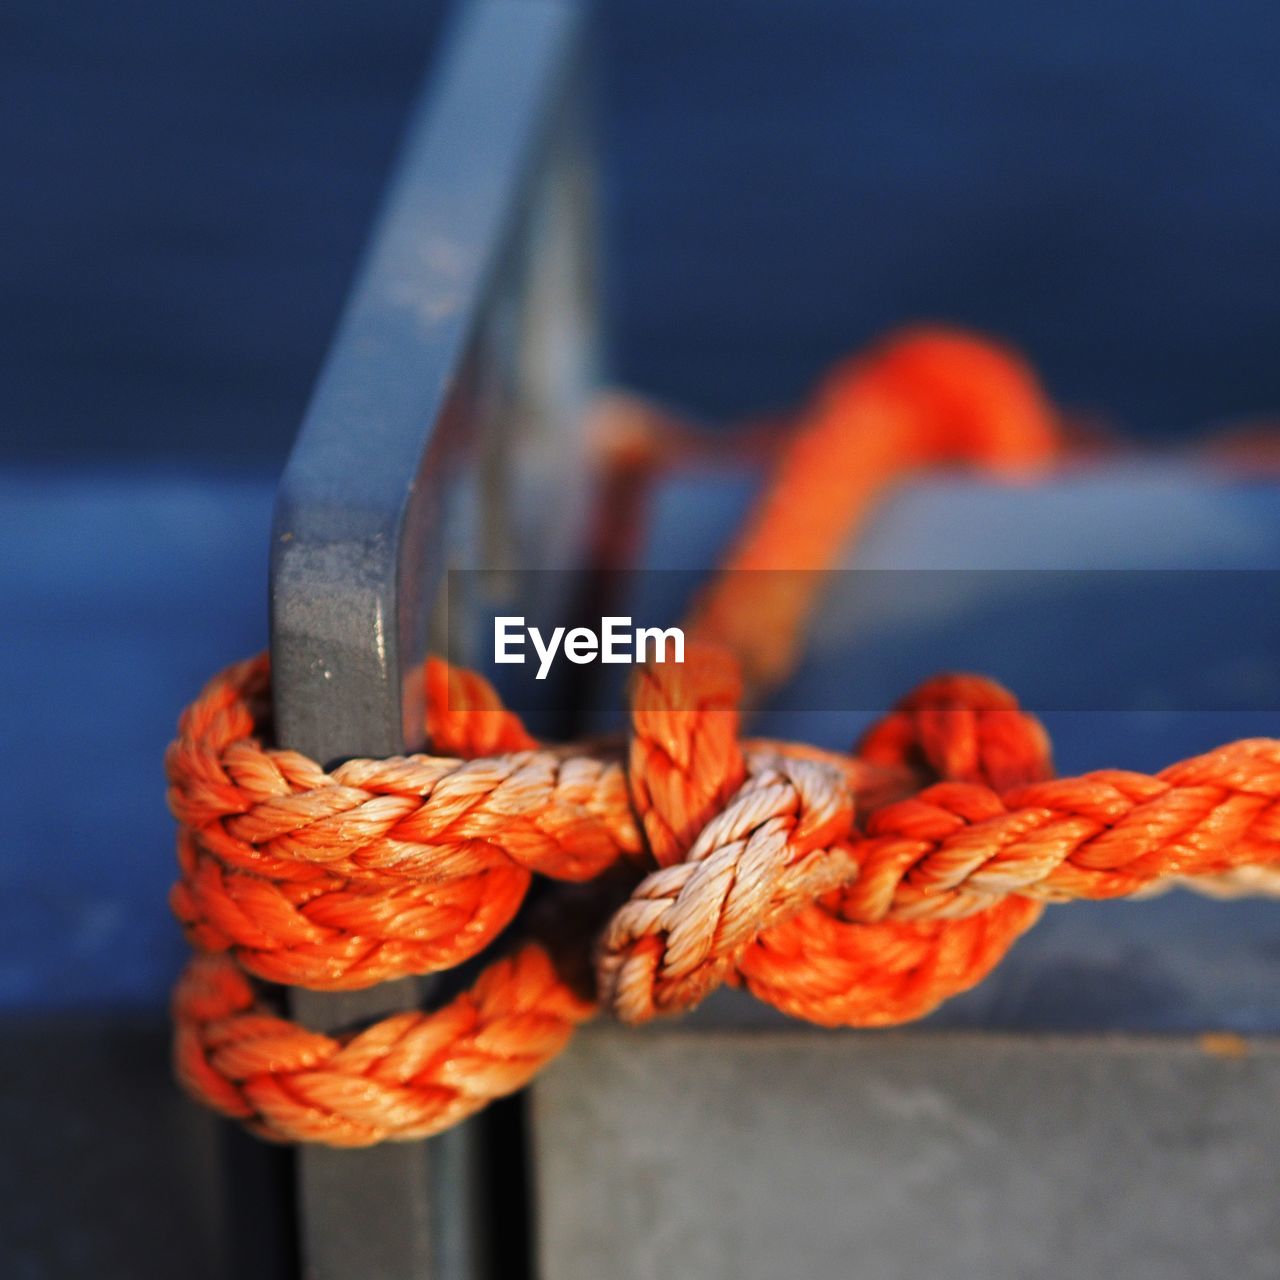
(855, 890)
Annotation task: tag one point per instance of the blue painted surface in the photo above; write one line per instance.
(122, 595)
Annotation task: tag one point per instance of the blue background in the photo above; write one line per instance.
(187, 188)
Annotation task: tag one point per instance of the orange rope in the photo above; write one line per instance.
(847, 890)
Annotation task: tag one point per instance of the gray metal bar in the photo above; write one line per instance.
(382, 494)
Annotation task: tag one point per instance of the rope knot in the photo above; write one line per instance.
(779, 842)
(965, 728)
(846, 890)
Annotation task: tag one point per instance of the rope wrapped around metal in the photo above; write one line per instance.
(854, 890)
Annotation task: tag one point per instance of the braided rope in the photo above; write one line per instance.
(853, 890)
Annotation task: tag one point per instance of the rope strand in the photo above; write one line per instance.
(858, 890)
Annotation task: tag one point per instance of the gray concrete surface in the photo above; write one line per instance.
(912, 1156)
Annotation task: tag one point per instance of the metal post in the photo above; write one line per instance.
(385, 491)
